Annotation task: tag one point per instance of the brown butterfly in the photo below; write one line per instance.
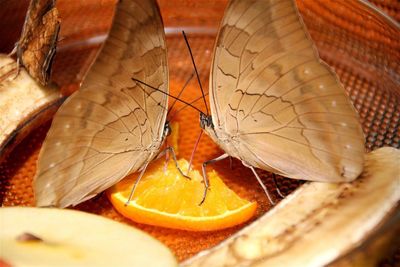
(274, 104)
(112, 125)
(37, 45)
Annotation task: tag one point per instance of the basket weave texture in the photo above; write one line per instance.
(359, 43)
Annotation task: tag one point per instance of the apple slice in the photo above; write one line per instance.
(55, 237)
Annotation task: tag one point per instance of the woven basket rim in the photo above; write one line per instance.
(381, 13)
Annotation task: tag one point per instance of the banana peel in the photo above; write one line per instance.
(24, 104)
(322, 224)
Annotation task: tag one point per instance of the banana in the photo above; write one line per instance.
(24, 104)
(56, 237)
(322, 223)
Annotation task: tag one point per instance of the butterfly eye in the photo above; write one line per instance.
(205, 121)
(202, 122)
(167, 129)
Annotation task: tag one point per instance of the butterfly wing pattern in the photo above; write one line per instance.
(37, 46)
(112, 126)
(275, 105)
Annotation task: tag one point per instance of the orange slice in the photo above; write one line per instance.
(166, 198)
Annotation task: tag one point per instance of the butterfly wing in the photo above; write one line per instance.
(37, 46)
(111, 126)
(274, 103)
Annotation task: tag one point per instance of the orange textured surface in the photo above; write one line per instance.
(363, 48)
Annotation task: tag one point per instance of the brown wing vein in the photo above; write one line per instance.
(273, 83)
(306, 100)
(265, 47)
(287, 92)
(86, 158)
(107, 125)
(277, 78)
(248, 24)
(299, 128)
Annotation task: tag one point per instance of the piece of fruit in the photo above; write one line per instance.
(55, 237)
(170, 200)
(24, 104)
(322, 224)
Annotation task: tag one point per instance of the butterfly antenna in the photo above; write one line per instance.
(195, 69)
(193, 151)
(149, 94)
(182, 108)
(161, 91)
(180, 93)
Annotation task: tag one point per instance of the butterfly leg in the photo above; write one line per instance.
(166, 158)
(137, 182)
(262, 184)
(231, 163)
(166, 161)
(172, 151)
(205, 178)
(13, 52)
(194, 150)
(277, 186)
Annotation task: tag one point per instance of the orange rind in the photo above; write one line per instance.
(165, 198)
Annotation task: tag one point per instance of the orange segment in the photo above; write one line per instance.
(167, 199)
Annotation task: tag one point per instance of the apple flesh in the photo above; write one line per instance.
(55, 237)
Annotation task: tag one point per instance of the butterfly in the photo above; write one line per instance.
(111, 126)
(274, 104)
(37, 45)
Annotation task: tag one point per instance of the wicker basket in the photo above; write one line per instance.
(361, 43)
